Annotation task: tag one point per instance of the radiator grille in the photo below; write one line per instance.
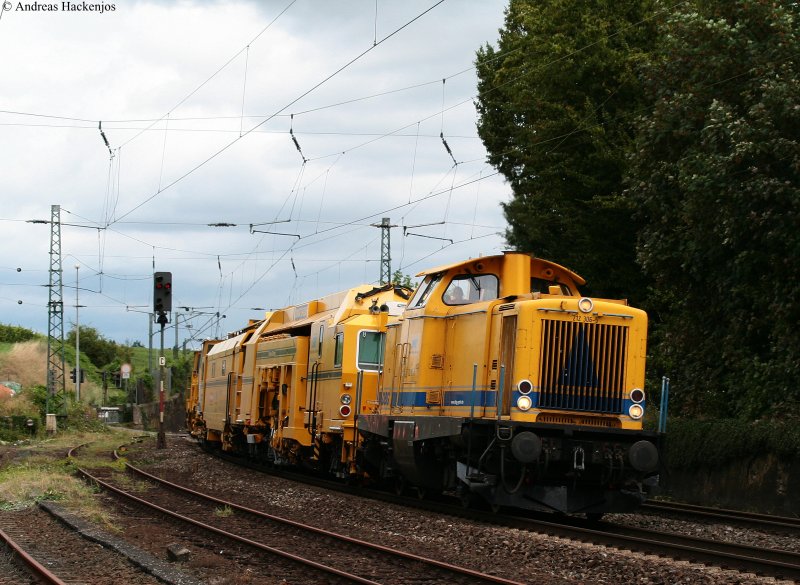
(582, 366)
(584, 421)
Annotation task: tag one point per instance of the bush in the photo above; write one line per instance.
(693, 444)
(14, 334)
(15, 411)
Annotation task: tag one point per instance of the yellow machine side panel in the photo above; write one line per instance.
(285, 361)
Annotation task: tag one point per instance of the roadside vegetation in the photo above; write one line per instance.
(23, 365)
(38, 469)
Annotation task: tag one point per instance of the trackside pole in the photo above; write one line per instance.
(161, 441)
(662, 415)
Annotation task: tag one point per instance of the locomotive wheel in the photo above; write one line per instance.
(594, 517)
(399, 485)
(422, 493)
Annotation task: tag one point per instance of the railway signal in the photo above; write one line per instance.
(73, 377)
(162, 292)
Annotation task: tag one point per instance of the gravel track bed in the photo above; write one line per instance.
(368, 563)
(512, 554)
(66, 554)
(778, 539)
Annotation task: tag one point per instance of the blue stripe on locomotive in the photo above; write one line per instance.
(482, 397)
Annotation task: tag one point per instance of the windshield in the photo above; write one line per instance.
(424, 291)
(471, 288)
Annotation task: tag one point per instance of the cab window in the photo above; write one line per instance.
(370, 350)
(424, 291)
(471, 288)
(541, 285)
(337, 354)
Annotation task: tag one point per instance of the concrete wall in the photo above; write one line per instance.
(763, 484)
(146, 416)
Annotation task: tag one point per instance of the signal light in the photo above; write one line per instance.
(72, 374)
(162, 292)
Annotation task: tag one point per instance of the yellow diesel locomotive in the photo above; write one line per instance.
(496, 380)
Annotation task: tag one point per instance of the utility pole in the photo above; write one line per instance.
(56, 378)
(386, 250)
(77, 339)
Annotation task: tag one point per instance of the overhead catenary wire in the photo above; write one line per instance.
(228, 62)
(287, 106)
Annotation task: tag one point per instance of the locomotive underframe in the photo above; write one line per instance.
(571, 470)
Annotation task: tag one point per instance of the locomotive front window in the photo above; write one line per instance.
(471, 288)
(370, 350)
(424, 291)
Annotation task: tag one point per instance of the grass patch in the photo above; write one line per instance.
(41, 471)
(223, 512)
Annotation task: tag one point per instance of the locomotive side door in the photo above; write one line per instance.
(508, 339)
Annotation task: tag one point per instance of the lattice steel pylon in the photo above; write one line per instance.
(56, 379)
(386, 250)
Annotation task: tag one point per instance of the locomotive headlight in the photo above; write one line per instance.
(586, 305)
(524, 403)
(637, 395)
(345, 399)
(636, 411)
(524, 386)
(344, 410)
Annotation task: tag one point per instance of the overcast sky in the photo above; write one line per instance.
(199, 102)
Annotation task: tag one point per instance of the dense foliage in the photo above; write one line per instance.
(716, 177)
(671, 132)
(555, 103)
(14, 334)
(697, 444)
(98, 349)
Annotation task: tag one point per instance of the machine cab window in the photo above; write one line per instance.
(370, 350)
(471, 288)
(424, 291)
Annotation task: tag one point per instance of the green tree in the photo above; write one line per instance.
(715, 174)
(403, 279)
(556, 101)
(97, 348)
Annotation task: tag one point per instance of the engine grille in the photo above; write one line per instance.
(582, 366)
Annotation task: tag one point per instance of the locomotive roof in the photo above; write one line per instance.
(576, 277)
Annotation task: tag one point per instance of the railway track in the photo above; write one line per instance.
(54, 554)
(19, 566)
(728, 555)
(719, 514)
(337, 556)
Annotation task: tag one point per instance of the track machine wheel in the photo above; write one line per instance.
(594, 517)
